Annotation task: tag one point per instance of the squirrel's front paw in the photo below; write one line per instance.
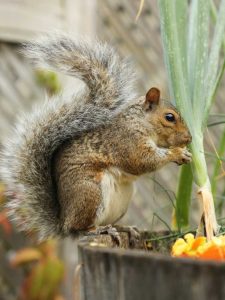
(181, 156)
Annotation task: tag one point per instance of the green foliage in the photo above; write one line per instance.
(194, 73)
(217, 165)
(48, 80)
(183, 195)
(43, 270)
(46, 273)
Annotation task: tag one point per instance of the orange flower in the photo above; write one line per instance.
(199, 247)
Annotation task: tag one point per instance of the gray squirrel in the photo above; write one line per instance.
(70, 166)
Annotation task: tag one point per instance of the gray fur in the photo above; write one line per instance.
(109, 79)
(26, 158)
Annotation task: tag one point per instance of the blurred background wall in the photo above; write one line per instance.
(112, 21)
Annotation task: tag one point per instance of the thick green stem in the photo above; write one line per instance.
(199, 166)
(201, 178)
(183, 198)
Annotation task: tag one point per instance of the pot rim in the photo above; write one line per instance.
(91, 245)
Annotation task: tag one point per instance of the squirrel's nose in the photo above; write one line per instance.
(187, 138)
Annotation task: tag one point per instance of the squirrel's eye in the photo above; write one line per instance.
(170, 117)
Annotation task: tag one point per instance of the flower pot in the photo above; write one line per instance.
(112, 273)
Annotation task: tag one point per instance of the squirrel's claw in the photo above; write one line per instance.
(181, 156)
(113, 230)
(108, 229)
(187, 156)
(133, 233)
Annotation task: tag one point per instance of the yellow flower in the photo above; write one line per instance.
(189, 246)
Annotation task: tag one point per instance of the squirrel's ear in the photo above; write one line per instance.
(152, 98)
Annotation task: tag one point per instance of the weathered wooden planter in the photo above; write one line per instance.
(110, 273)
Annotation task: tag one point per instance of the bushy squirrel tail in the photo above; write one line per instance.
(109, 79)
(26, 158)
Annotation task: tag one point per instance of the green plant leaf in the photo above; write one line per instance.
(173, 16)
(183, 197)
(217, 165)
(198, 55)
(214, 57)
(202, 79)
(214, 156)
(213, 13)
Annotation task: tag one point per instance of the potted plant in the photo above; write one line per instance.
(146, 271)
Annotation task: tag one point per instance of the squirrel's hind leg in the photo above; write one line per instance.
(79, 205)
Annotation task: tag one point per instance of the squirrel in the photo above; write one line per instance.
(72, 163)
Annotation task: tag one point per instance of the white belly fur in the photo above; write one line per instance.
(117, 190)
